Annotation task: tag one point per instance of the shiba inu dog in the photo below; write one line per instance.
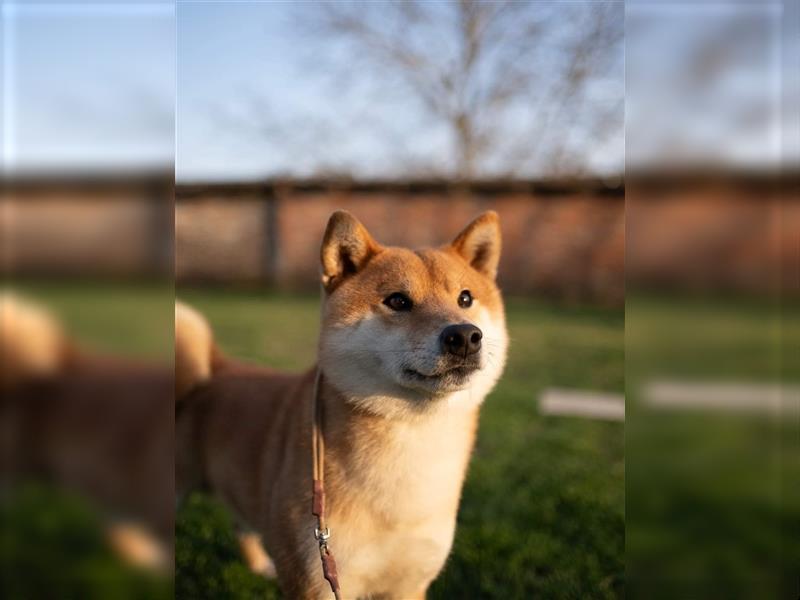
(411, 343)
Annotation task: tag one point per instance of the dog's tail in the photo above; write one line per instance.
(32, 343)
(196, 355)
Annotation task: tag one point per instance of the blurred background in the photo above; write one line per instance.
(711, 371)
(644, 440)
(86, 213)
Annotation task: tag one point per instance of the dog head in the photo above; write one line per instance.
(404, 329)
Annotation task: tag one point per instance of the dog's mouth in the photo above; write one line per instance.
(453, 375)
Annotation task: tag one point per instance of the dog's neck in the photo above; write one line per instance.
(407, 465)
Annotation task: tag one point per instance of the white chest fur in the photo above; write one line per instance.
(396, 529)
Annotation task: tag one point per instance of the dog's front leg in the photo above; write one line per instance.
(254, 554)
(137, 546)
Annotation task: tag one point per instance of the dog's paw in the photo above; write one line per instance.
(137, 547)
(255, 556)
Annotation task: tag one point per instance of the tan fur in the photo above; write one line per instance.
(255, 556)
(397, 449)
(193, 348)
(137, 546)
(31, 340)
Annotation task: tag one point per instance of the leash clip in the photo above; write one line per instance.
(322, 536)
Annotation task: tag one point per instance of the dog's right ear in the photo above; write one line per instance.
(346, 249)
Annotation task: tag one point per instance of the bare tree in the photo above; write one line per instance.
(509, 79)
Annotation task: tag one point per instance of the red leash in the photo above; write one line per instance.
(322, 533)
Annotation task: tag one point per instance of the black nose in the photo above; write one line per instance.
(461, 340)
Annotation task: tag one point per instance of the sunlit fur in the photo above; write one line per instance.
(397, 443)
(193, 348)
(365, 347)
(31, 339)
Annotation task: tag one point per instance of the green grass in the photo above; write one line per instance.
(53, 546)
(712, 499)
(543, 507)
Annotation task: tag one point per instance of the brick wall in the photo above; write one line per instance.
(221, 239)
(730, 234)
(106, 228)
(576, 242)
(569, 244)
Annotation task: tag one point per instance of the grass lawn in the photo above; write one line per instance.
(712, 496)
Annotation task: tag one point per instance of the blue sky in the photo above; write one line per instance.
(258, 94)
(249, 78)
(730, 110)
(87, 85)
(95, 84)
(231, 90)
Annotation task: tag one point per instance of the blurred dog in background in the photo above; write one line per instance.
(91, 424)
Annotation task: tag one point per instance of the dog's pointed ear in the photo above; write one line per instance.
(479, 244)
(346, 248)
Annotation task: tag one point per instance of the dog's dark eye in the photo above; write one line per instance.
(465, 299)
(398, 301)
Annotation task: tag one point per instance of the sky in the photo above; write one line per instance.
(724, 99)
(238, 90)
(256, 95)
(254, 98)
(87, 85)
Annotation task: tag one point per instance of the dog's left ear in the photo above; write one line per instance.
(479, 244)
(346, 249)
